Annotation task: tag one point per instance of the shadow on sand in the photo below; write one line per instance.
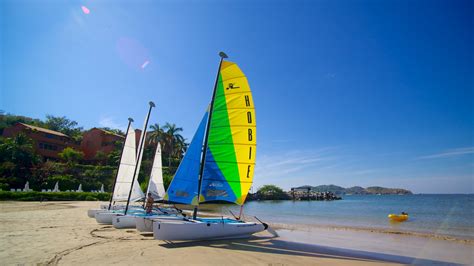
(275, 246)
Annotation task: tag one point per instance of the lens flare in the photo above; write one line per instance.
(85, 10)
(133, 53)
(145, 64)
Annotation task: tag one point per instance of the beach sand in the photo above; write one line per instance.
(62, 233)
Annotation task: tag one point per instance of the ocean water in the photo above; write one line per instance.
(451, 215)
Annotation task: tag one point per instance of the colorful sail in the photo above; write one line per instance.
(230, 155)
(155, 185)
(184, 186)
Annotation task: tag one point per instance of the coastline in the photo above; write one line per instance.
(310, 227)
(61, 233)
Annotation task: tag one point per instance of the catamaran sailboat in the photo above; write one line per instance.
(220, 165)
(123, 178)
(157, 191)
(123, 189)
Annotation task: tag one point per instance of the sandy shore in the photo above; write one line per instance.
(61, 233)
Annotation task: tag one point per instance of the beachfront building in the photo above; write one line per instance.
(48, 143)
(99, 140)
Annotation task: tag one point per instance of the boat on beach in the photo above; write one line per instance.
(218, 165)
(123, 188)
(157, 190)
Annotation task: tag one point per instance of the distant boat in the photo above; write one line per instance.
(219, 163)
(79, 189)
(102, 189)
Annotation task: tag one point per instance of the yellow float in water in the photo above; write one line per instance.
(398, 217)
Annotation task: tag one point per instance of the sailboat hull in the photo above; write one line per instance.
(91, 213)
(145, 224)
(105, 217)
(123, 221)
(197, 230)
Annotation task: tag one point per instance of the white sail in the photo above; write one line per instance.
(102, 189)
(137, 192)
(155, 185)
(79, 189)
(125, 171)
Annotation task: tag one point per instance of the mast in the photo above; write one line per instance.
(140, 147)
(130, 120)
(203, 158)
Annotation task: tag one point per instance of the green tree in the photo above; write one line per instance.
(8, 120)
(113, 130)
(113, 158)
(71, 156)
(156, 134)
(271, 192)
(171, 138)
(64, 125)
(101, 157)
(17, 157)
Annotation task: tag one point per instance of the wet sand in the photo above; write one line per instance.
(61, 233)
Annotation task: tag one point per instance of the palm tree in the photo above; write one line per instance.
(156, 134)
(18, 149)
(172, 137)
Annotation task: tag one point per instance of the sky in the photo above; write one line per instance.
(354, 92)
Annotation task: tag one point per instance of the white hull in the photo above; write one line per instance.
(91, 213)
(145, 224)
(113, 207)
(123, 221)
(104, 208)
(105, 217)
(196, 230)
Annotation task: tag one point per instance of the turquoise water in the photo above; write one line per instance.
(434, 214)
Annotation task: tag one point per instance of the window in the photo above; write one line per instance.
(49, 136)
(46, 146)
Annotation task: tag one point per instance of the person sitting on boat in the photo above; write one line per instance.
(149, 203)
(404, 213)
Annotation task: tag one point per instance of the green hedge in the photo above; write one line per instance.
(54, 196)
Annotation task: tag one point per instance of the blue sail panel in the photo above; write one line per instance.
(184, 186)
(214, 185)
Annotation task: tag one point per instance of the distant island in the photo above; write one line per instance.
(321, 193)
(375, 190)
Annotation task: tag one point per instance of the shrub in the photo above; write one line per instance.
(53, 196)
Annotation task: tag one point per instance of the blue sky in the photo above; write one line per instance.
(346, 92)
